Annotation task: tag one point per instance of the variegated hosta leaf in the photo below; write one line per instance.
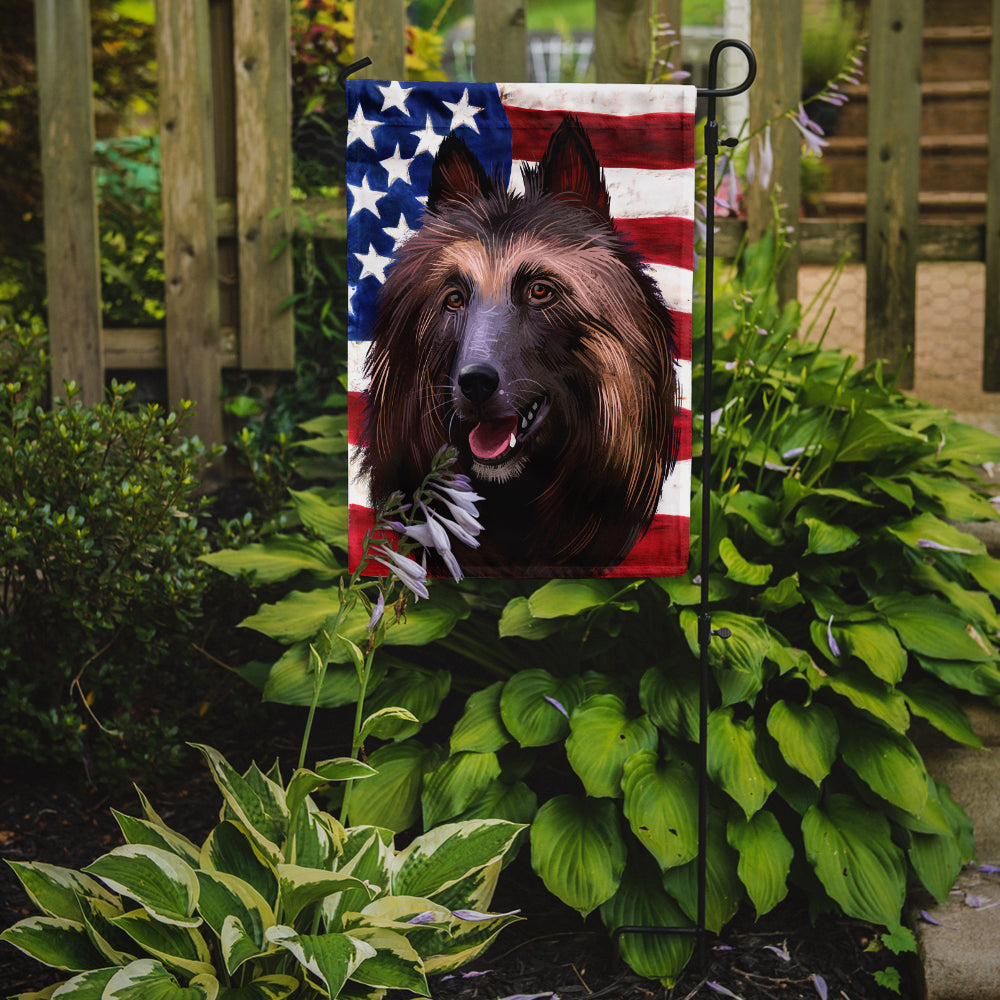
(578, 851)
(141, 831)
(274, 987)
(225, 897)
(177, 947)
(602, 737)
(850, 847)
(441, 857)
(304, 782)
(395, 964)
(56, 891)
(86, 986)
(642, 902)
(230, 849)
(807, 736)
(54, 941)
(329, 959)
(158, 880)
(481, 727)
(256, 801)
(300, 887)
(315, 838)
(765, 858)
(732, 760)
(475, 891)
(366, 855)
(147, 979)
(465, 942)
(661, 799)
(116, 947)
(456, 784)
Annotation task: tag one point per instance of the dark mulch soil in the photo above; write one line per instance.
(550, 952)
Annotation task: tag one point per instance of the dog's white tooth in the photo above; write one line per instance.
(513, 439)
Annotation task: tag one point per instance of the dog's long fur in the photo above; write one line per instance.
(528, 315)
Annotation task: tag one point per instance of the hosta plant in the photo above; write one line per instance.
(279, 900)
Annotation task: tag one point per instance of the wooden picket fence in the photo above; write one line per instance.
(226, 161)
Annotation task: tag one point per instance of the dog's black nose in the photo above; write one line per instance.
(478, 382)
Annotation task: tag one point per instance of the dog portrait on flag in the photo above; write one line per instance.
(520, 270)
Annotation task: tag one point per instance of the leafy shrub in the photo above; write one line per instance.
(854, 604)
(99, 539)
(279, 899)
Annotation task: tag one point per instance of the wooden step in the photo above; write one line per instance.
(956, 53)
(958, 206)
(940, 13)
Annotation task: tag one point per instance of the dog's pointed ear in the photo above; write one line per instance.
(456, 174)
(570, 167)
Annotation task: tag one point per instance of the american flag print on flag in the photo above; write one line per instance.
(520, 265)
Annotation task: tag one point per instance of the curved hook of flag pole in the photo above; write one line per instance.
(352, 68)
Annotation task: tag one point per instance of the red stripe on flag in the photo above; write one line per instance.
(647, 142)
(662, 550)
(661, 239)
(355, 417)
(682, 434)
(682, 335)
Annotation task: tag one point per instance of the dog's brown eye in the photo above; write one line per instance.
(539, 292)
(454, 300)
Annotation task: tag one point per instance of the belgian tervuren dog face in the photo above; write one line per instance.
(523, 330)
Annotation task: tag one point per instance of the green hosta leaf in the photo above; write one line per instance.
(732, 760)
(517, 620)
(865, 692)
(723, 889)
(661, 798)
(641, 901)
(931, 628)
(671, 701)
(758, 511)
(738, 661)
(602, 738)
(937, 859)
(481, 728)
(850, 848)
(928, 528)
(443, 856)
(279, 558)
(301, 887)
(395, 964)
(327, 520)
(141, 831)
(516, 803)
(180, 948)
(876, 646)
(827, 539)
(976, 605)
(765, 858)
(275, 987)
(965, 443)
(330, 959)
(261, 809)
(418, 691)
(870, 435)
(530, 706)
(578, 851)
(230, 849)
(385, 723)
(559, 598)
(888, 763)
(986, 571)
(159, 881)
(54, 941)
(56, 891)
(147, 979)
(941, 709)
(957, 501)
(225, 897)
(292, 680)
(976, 678)
(391, 798)
(738, 569)
(893, 488)
(783, 595)
(456, 784)
(807, 736)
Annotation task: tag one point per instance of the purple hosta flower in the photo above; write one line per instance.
(927, 543)
(989, 869)
(834, 648)
(727, 198)
(812, 134)
(377, 612)
(761, 163)
(465, 975)
(558, 705)
(531, 996)
(719, 988)
(475, 915)
(427, 917)
(410, 573)
(780, 952)
(820, 983)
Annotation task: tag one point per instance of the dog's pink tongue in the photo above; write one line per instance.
(490, 438)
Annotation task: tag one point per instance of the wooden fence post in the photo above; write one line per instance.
(893, 183)
(622, 40)
(501, 41)
(991, 332)
(190, 251)
(261, 57)
(72, 255)
(776, 35)
(380, 34)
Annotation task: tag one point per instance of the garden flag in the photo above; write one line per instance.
(520, 277)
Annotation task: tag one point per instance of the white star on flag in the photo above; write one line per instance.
(397, 167)
(463, 113)
(395, 97)
(400, 233)
(373, 264)
(364, 197)
(429, 139)
(360, 128)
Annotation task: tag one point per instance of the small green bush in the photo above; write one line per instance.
(100, 583)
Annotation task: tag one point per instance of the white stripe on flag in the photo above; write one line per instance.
(637, 194)
(610, 99)
(675, 285)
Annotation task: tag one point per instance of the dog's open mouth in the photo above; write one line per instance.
(493, 440)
